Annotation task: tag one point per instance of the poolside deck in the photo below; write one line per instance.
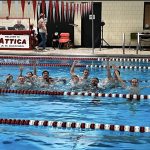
(84, 52)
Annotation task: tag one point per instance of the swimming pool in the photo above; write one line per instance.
(68, 108)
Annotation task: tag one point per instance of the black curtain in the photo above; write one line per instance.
(86, 26)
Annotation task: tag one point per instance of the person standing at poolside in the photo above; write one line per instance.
(42, 31)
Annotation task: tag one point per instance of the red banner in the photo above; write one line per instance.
(53, 2)
(66, 10)
(34, 7)
(23, 6)
(74, 9)
(90, 7)
(9, 6)
(50, 9)
(70, 11)
(77, 9)
(43, 6)
(83, 9)
(86, 8)
(62, 10)
(57, 10)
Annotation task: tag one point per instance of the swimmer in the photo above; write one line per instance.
(134, 88)
(9, 80)
(75, 83)
(115, 80)
(45, 80)
(84, 78)
(21, 84)
(75, 79)
(29, 77)
(93, 86)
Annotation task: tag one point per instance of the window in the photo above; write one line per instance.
(146, 22)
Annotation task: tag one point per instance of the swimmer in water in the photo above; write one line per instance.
(134, 88)
(21, 84)
(9, 80)
(93, 86)
(114, 80)
(75, 83)
(84, 79)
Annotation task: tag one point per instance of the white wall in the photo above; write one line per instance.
(120, 17)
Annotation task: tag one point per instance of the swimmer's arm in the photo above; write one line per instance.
(119, 78)
(72, 68)
(34, 69)
(20, 71)
(109, 76)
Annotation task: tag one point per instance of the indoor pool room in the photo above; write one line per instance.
(62, 116)
(74, 74)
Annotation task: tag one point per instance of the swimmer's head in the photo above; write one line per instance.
(75, 78)
(45, 74)
(86, 73)
(94, 81)
(9, 78)
(134, 82)
(21, 80)
(29, 74)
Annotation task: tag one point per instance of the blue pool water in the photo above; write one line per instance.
(117, 111)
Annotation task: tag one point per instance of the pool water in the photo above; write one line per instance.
(117, 111)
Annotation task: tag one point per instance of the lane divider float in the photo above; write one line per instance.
(125, 59)
(80, 65)
(73, 125)
(120, 67)
(127, 96)
(133, 59)
(48, 57)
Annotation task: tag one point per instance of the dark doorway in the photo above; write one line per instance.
(86, 26)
